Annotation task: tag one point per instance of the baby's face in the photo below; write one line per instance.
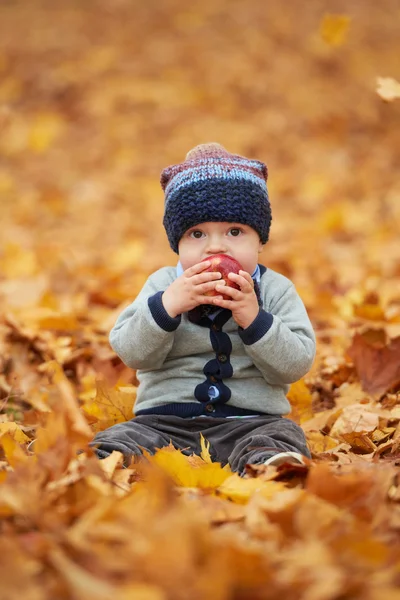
(206, 239)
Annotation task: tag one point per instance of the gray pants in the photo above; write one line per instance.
(234, 441)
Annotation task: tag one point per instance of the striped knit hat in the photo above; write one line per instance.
(214, 185)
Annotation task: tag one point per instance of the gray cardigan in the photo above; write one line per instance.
(179, 359)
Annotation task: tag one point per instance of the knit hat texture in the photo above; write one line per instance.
(214, 185)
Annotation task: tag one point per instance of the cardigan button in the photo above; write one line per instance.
(222, 358)
(215, 327)
(209, 408)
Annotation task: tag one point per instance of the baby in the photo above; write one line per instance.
(214, 365)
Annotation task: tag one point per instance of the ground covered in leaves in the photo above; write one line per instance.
(95, 99)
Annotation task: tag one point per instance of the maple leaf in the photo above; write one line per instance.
(187, 472)
(205, 449)
(240, 490)
(300, 399)
(319, 443)
(334, 29)
(376, 361)
(110, 406)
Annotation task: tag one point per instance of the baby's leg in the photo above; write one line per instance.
(275, 435)
(130, 437)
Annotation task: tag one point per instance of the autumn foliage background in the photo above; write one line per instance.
(96, 98)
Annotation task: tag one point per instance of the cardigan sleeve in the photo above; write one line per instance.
(281, 341)
(144, 332)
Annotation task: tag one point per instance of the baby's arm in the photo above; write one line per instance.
(281, 343)
(144, 332)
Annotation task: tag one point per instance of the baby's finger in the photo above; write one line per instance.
(246, 284)
(222, 302)
(205, 277)
(228, 291)
(197, 268)
(205, 287)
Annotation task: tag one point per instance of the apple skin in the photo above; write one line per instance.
(224, 264)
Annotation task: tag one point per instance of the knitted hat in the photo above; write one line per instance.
(214, 185)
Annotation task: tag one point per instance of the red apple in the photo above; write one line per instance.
(224, 264)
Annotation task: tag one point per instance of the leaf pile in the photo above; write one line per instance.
(96, 98)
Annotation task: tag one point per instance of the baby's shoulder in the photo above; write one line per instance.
(273, 279)
(163, 276)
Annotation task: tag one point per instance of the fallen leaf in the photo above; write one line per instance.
(15, 431)
(377, 363)
(334, 29)
(189, 473)
(110, 406)
(300, 399)
(240, 490)
(388, 88)
(359, 442)
(354, 418)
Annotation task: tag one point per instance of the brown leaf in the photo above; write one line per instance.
(359, 442)
(376, 362)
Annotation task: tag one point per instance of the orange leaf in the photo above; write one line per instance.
(377, 363)
(334, 29)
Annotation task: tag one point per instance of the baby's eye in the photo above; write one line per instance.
(235, 231)
(196, 233)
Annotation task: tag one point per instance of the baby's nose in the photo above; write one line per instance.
(216, 246)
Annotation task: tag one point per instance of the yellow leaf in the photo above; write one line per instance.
(205, 449)
(15, 431)
(388, 88)
(240, 490)
(110, 406)
(359, 442)
(44, 131)
(370, 307)
(18, 262)
(12, 450)
(68, 402)
(318, 442)
(127, 256)
(334, 29)
(333, 218)
(300, 399)
(58, 321)
(188, 473)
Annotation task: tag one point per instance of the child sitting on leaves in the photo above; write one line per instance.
(209, 365)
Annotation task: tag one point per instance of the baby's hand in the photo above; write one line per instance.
(243, 303)
(187, 291)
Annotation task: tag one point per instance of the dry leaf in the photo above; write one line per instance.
(15, 431)
(354, 418)
(334, 29)
(240, 490)
(359, 442)
(377, 363)
(388, 88)
(187, 473)
(85, 130)
(300, 399)
(110, 406)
